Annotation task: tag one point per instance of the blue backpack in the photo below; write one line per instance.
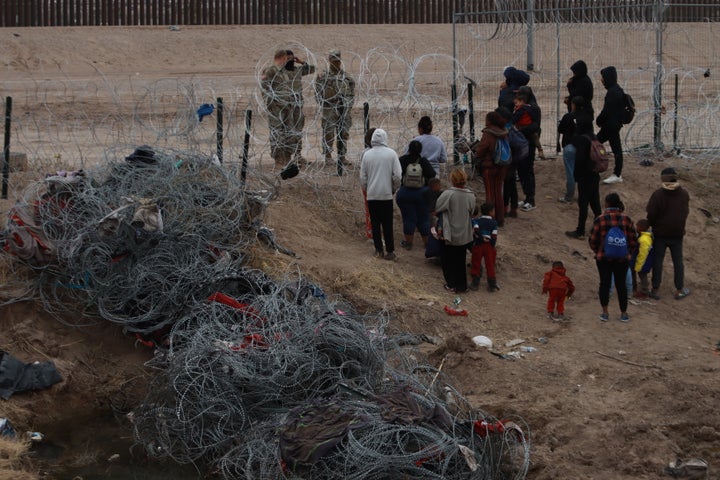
(502, 155)
(615, 245)
(519, 145)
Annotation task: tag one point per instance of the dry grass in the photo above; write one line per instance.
(14, 463)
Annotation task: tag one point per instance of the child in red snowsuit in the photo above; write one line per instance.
(559, 287)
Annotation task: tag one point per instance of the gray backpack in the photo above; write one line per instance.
(413, 177)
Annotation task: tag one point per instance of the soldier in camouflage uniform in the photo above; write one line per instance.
(297, 117)
(278, 96)
(335, 94)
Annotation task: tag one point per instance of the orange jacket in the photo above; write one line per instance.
(556, 278)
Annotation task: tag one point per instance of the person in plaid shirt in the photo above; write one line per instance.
(613, 267)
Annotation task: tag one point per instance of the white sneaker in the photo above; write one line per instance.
(528, 207)
(613, 179)
(521, 204)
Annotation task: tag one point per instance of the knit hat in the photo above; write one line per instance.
(669, 175)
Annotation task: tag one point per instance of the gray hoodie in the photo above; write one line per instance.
(379, 168)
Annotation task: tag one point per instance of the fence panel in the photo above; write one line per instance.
(27, 13)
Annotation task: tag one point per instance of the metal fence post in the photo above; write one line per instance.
(6, 148)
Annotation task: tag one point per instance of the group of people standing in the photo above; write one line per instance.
(462, 226)
(282, 91)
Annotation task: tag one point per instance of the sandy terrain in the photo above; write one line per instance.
(602, 401)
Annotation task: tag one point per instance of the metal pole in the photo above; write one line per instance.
(471, 112)
(366, 117)
(530, 17)
(675, 118)
(6, 148)
(657, 90)
(558, 147)
(219, 130)
(456, 130)
(246, 147)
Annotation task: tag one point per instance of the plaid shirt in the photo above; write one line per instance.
(612, 217)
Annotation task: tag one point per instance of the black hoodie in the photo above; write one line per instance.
(580, 84)
(610, 117)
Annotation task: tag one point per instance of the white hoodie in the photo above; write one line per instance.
(379, 168)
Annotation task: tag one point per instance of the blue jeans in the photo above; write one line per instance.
(569, 161)
(414, 210)
(676, 254)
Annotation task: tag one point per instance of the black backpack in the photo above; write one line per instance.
(628, 111)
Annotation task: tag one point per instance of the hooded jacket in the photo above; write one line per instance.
(379, 168)
(556, 278)
(611, 114)
(580, 85)
(514, 79)
(486, 147)
(583, 170)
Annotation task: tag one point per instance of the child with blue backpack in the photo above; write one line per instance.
(485, 229)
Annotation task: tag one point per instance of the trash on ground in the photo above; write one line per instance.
(482, 341)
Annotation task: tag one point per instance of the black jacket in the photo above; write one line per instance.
(427, 168)
(611, 114)
(580, 84)
(583, 171)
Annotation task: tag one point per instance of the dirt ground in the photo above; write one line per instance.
(601, 400)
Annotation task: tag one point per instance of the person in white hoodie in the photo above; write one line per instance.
(380, 171)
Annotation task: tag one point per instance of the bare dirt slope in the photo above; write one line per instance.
(602, 401)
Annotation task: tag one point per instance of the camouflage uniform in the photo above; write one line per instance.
(278, 96)
(335, 94)
(296, 118)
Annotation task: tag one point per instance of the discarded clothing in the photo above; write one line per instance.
(16, 376)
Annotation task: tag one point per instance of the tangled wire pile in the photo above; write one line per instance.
(258, 378)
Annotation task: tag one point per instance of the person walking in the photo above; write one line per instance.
(667, 212)
(410, 197)
(296, 115)
(588, 181)
(456, 204)
(277, 94)
(610, 120)
(613, 239)
(493, 175)
(379, 172)
(335, 95)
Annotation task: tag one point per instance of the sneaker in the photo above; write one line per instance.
(390, 256)
(575, 234)
(624, 318)
(475, 284)
(528, 207)
(613, 179)
(604, 317)
(680, 294)
(564, 200)
(521, 204)
(449, 288)
(550, 316)
(379, 254)
(406, 245)
(561, 316)
(654, 295)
